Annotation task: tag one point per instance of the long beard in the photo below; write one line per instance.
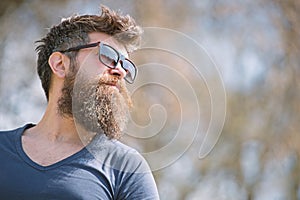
(95, 105)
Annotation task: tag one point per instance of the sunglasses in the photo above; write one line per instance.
(110, 57)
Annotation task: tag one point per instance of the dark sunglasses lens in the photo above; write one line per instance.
(108, 56)
(130, 70)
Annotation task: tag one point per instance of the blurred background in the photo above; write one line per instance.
(255, 48)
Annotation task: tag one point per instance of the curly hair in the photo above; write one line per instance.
(74, 31)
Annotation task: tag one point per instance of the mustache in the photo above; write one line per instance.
(108, 79)
(115, 80)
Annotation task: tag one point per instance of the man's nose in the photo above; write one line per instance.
(117, 71)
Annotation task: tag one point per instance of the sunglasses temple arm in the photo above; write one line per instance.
(80, 47)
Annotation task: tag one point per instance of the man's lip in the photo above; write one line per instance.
(113, 85)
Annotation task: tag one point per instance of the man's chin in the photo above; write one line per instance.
(104, 111)
(100, 105)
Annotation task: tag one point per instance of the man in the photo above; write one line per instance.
(72, 153)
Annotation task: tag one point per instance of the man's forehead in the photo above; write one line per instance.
(108, 39)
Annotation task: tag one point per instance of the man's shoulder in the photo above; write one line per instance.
(8, 139)
(15, 130)
(119, 156)
(7, 132)
(122, 148)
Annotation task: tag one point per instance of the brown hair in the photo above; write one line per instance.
(74, 31)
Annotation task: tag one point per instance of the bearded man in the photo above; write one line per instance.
(73, 151)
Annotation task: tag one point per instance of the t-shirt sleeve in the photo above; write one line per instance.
(136, 181)
(128, 171)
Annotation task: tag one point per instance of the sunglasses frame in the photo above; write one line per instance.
(121, 57)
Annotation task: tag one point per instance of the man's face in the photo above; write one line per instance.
(95, 95)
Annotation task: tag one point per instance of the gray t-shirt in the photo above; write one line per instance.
(105, 169)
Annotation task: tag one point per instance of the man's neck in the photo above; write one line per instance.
(56, 127)
(53, 139)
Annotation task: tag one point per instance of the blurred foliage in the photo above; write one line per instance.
(257, 155)
(8, 5)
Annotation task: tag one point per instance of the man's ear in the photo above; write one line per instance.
(59, 64)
